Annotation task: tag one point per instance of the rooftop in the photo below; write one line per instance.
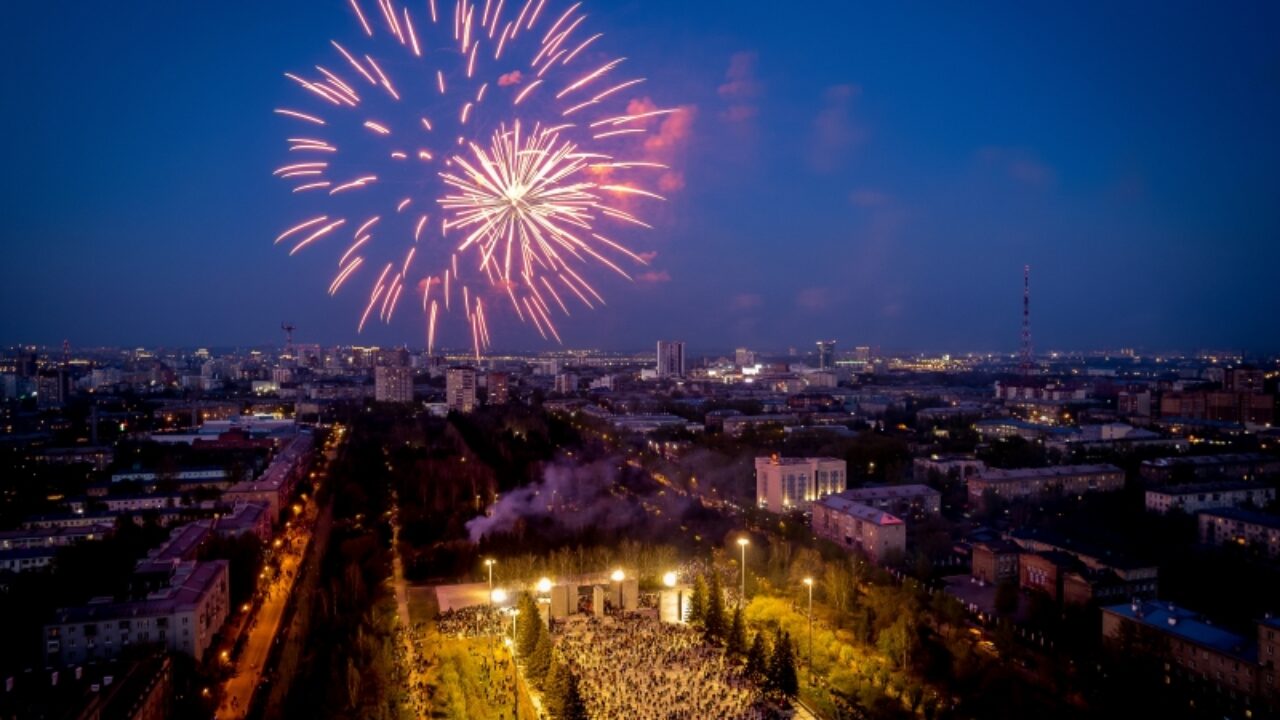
(775, 460)
(49, 535)
(1203, 460)
(182, 542)
(1249, 516)
(191, 581)
(888, 492)
(859, 511)
(1197, 488)
(1183, 623)
(997, 475)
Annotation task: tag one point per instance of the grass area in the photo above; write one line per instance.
(468, 678)
(841, 663)
(471, 679)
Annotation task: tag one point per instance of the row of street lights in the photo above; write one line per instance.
(670, 579)
(498, 596)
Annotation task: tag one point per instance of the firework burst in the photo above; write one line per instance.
(492, 147)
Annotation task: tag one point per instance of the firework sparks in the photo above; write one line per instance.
(519, 197)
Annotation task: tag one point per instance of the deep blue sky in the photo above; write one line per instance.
(874, 172)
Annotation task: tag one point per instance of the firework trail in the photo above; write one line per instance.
(490, 142)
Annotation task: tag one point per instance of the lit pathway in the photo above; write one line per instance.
(238, 692)
(418, 698)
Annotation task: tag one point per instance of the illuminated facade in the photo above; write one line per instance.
(393, 384)
(826, 354)
(460, 389)
(499, 385)
(786, 483)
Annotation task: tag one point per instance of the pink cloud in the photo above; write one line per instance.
(647, 257)
(512, 78)
(671, 181)
(745, 301)
(654, 277)
(740, 89)
(814, 299)
(668, 137)
(835, 130)
(673, 133)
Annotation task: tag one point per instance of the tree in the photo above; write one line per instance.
(556, 687)
(698, 602)
(782, 678)
(758, 659)
(538, 663)
(529, 625)
(898, 641)
(714, 618)
(736, 641)
(573, 708)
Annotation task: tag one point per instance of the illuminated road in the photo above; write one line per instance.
(239, 689)
(237, 694)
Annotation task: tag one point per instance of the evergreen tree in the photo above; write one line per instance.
(782, 678)
(736, 641)
(573, 708)
(714, 622)
(757, 659)
(528, 625)
(556, 688)
(538, 663)
(698, 602)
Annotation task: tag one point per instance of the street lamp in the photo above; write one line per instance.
(618, 576)
(489, 564)
(742, 569)
(498, 596)
(809, 583)
(669, 579)
(544, 585)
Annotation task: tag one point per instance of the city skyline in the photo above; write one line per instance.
(924, 158)
(644, 359)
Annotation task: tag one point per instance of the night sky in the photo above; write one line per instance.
(878, 173)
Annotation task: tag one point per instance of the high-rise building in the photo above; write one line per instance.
(743, 357)
(460, 389)
(363, 357)
(499, 388)
(862, 353)
(826, 354)
(670, 358)
(566, 382)
(1246, 379)
(393, 384)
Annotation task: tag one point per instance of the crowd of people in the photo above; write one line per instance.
(473, 621)
(413, 659)
(633, 666)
